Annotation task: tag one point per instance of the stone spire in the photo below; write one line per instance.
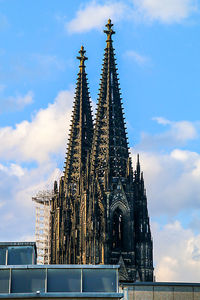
(111, 179)
(81, 131)
(69, 208)
(110, 147)
(138, 165)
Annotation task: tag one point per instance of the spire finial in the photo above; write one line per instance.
(142, 177)
(82, 57)
(109, 31)
(138, 164)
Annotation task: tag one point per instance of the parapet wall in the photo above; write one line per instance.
(160, 291)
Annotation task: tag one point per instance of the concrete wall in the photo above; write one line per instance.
(161, 291)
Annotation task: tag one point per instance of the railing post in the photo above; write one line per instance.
(10, 274)
(81, 280)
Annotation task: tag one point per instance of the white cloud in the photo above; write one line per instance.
(12, 169)
(23, 101)
(18, 185)
(43, 140)
(182, 130)
(94, 15)
(172, 181)
(46, 134)
(37, 179)
(137, 57)
(15, 103)
(172, 175)
(176, 252)
(166, 11)
(161, 120)
(176, 135)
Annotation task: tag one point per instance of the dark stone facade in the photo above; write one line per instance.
(99, 214)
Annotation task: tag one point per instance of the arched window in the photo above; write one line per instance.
(117, 229)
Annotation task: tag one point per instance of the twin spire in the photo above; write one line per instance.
(107, 143)
(99, 214)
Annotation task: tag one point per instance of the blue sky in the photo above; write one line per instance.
(157, 50)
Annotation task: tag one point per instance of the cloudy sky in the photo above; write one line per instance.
(157, 49)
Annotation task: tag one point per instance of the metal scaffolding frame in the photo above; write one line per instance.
(42, 202)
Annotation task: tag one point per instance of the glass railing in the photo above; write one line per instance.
(59, 278)
(17, 253)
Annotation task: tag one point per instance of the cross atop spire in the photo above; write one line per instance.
(82, 57)
(109, 31)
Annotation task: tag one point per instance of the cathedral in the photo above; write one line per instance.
(99, 210)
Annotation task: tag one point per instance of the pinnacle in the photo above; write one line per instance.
(138, 164)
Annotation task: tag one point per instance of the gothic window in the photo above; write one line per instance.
(117, 229)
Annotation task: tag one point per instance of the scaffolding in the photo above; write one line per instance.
(42, 225)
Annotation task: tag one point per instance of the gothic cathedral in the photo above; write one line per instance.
(99, 212)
